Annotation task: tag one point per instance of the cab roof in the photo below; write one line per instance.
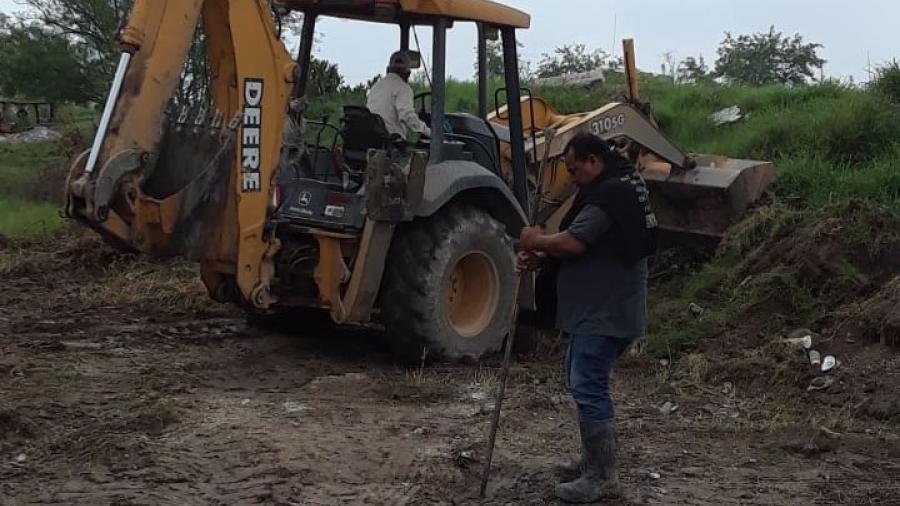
(482, 11)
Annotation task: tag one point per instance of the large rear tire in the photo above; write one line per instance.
(449, 287)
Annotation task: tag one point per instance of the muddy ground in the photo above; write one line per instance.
(114, 390)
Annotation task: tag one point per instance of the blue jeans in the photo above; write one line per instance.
(590, 360)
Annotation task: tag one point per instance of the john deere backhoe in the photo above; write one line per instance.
(369, 229)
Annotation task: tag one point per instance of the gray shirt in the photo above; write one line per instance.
(596, 293)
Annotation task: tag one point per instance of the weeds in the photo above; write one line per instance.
(174, 286)
(21, 260)
(695, 367)
(67, 371)
(151, 413)
(20, 163)
(22, 219)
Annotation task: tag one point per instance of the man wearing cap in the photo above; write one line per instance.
(600, 264)
(392, 99)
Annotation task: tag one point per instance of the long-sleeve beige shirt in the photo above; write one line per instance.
(392, 99)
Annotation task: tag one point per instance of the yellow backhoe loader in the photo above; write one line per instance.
(416, 238)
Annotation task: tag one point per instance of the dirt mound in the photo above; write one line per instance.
(873, 319)
(833, 271)
(833, 256)
(785, 269)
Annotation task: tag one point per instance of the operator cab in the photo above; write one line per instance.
(323, 185)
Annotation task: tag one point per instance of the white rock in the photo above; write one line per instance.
(668, 408)
(295, 407)
(804, 342)
(815, 358)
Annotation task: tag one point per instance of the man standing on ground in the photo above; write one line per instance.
(392, 99)
(602, 252)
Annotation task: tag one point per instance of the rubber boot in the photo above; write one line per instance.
(572, 470)
(568, 471)
(600, 479)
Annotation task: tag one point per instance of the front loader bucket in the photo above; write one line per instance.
(706, 200)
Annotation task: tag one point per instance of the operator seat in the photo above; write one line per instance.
(363, 130)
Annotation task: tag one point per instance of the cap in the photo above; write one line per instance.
(400, 62)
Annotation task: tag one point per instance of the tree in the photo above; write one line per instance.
(38, 63)
(692, 70)
(324, 78)
(90, 25)
(767, 58)
(573, 60)
(669, 65)
(59, 37)
(887, 81)
(495, 60)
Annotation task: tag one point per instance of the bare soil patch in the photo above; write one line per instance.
(156, 396)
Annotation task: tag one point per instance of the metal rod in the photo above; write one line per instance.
(632, 91)
(514, 111)
(549, 135)
(438, 90)
(404, 36)
(304, 55)
(114, 91)
(483, 74)
(501, 390)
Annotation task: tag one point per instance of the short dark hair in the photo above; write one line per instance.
(585, 144)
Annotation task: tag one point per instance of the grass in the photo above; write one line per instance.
(174, 285)
(816, 182)
(25, 212)
(21, 261)
(24, 219)
(20, 164)
(71, 118)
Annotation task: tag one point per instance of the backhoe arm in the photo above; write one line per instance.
(191, 179)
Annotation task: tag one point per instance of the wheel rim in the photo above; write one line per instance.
(472, 294)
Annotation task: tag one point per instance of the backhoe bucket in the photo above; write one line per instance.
(706, 200)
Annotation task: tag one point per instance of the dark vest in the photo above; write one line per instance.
(622, 194)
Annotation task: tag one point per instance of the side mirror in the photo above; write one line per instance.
(415, 59)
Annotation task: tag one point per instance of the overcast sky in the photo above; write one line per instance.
(851, 32)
